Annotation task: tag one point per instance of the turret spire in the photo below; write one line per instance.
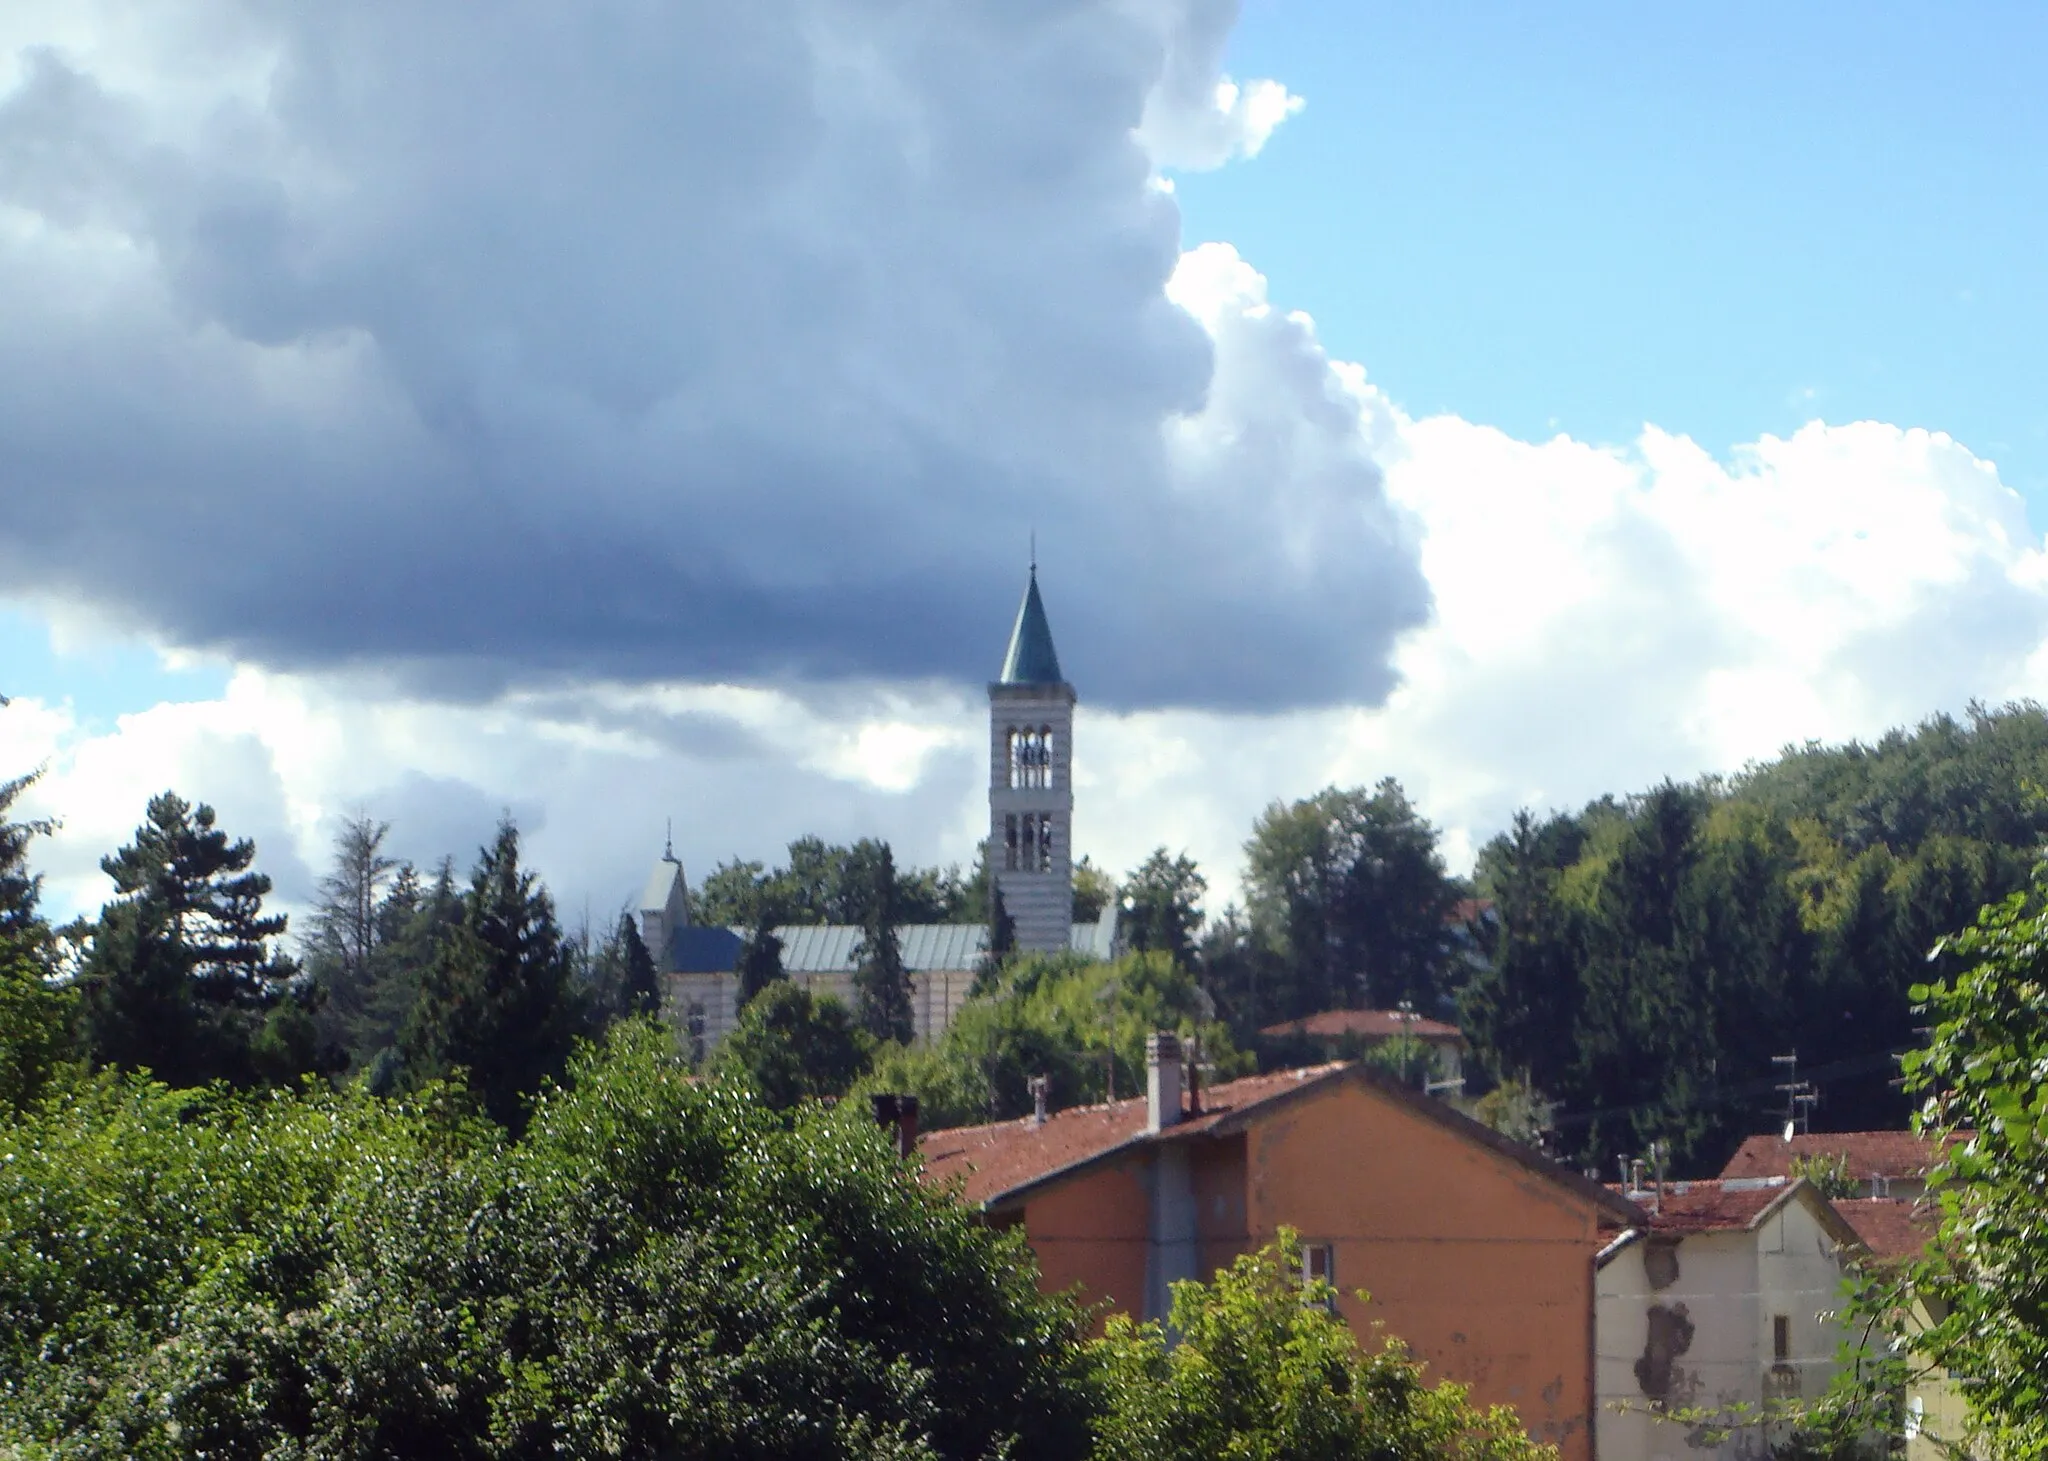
(1031, 659)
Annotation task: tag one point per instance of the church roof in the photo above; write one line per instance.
(829, 948)
(660, 885)
(1031, 659)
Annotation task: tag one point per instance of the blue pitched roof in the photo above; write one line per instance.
(1031, 660)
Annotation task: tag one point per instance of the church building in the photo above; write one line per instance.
(1030, 854)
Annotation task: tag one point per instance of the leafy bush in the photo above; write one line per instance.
(659, 1267)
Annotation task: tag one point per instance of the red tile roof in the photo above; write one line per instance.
(1367, 1024)
(1869, 1153)
(1889, 1227)
(1710, 1207)
(1000, 1161)
(1000, 1158)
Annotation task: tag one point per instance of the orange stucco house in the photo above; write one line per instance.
(1477, 1251)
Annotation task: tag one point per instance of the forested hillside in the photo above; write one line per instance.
(1653, 952)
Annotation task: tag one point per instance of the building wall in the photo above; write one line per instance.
(1688, 1322)
(704, 1008)
(1040, 903)
(1483, 1268)
(1093, 1233)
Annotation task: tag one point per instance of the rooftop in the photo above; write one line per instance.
(1000, 1160)
(1031, 659)
(1366, 1024)
(1889, 1227)
(1004, 1156)
(1868, 1153)
(1709, 1207)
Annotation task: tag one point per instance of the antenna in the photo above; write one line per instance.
(668, 840)
(1800, 1098)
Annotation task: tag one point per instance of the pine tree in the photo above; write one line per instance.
(640, 984)
(880, 981)
(182, 975)
(498, 1000)
(760, 961)
(344, 943)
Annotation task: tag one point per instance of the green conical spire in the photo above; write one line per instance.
(1031, 660)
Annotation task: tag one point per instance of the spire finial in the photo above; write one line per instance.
(1034, 552)
(668, 840)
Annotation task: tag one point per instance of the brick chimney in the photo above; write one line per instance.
(898, 1115)
(1162, 1080)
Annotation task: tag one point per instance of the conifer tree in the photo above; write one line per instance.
(497, 1000)
(183, 975)
(880, 981)
(760, 961)
(639, 982)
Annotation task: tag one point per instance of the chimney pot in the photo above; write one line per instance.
(1041, 1087)
(896, 1114)
(1162, 1080)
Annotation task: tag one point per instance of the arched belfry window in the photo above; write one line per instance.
(1030, 757)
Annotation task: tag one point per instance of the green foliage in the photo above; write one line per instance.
(498, 1000)
(656, 1268)
(1262, 1369)
(1982, 1076)
(1649, 954)
(1829, 1174)
(181, 974)
(1079, 1023)
(1162, 900)
(1405, 1057)
(827, 883)
(881, 984)
(760, 961)
(624, 984)
(1348, 904)
(1093, 889)
(37, 1035)
(790, 1046)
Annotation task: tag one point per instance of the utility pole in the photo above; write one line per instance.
(1800, 1097)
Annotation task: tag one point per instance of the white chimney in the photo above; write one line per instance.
(1162, 1080)
(1041, 1089)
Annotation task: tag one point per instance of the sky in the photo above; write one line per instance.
(638, 416)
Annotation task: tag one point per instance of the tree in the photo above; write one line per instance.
(1347, 891)
(659, 1267)
(1163, 906)
(345, 936)
(1258, 1366)
(760, 960)
(182, 975)
(1094, 890)
(497, 1001)
(20, 889)
(791, 1046)
(881, 982)
(622, 982)
(1986, 1272)
(1002, 942)
(36, 1016)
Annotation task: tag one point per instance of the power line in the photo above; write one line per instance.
(1852, 1065)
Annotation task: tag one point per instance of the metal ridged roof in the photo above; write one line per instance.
(1031, 660)
(832, 948)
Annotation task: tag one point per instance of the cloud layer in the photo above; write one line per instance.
(1605, 618)
(739, 342)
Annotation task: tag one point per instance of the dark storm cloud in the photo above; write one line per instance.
(501, 344)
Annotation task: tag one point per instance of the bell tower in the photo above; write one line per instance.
(1030, 784)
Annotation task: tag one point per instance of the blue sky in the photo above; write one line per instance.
(1722, 219)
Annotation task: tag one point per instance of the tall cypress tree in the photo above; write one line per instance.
(183, 976)
(880, 981)
(498, 999)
